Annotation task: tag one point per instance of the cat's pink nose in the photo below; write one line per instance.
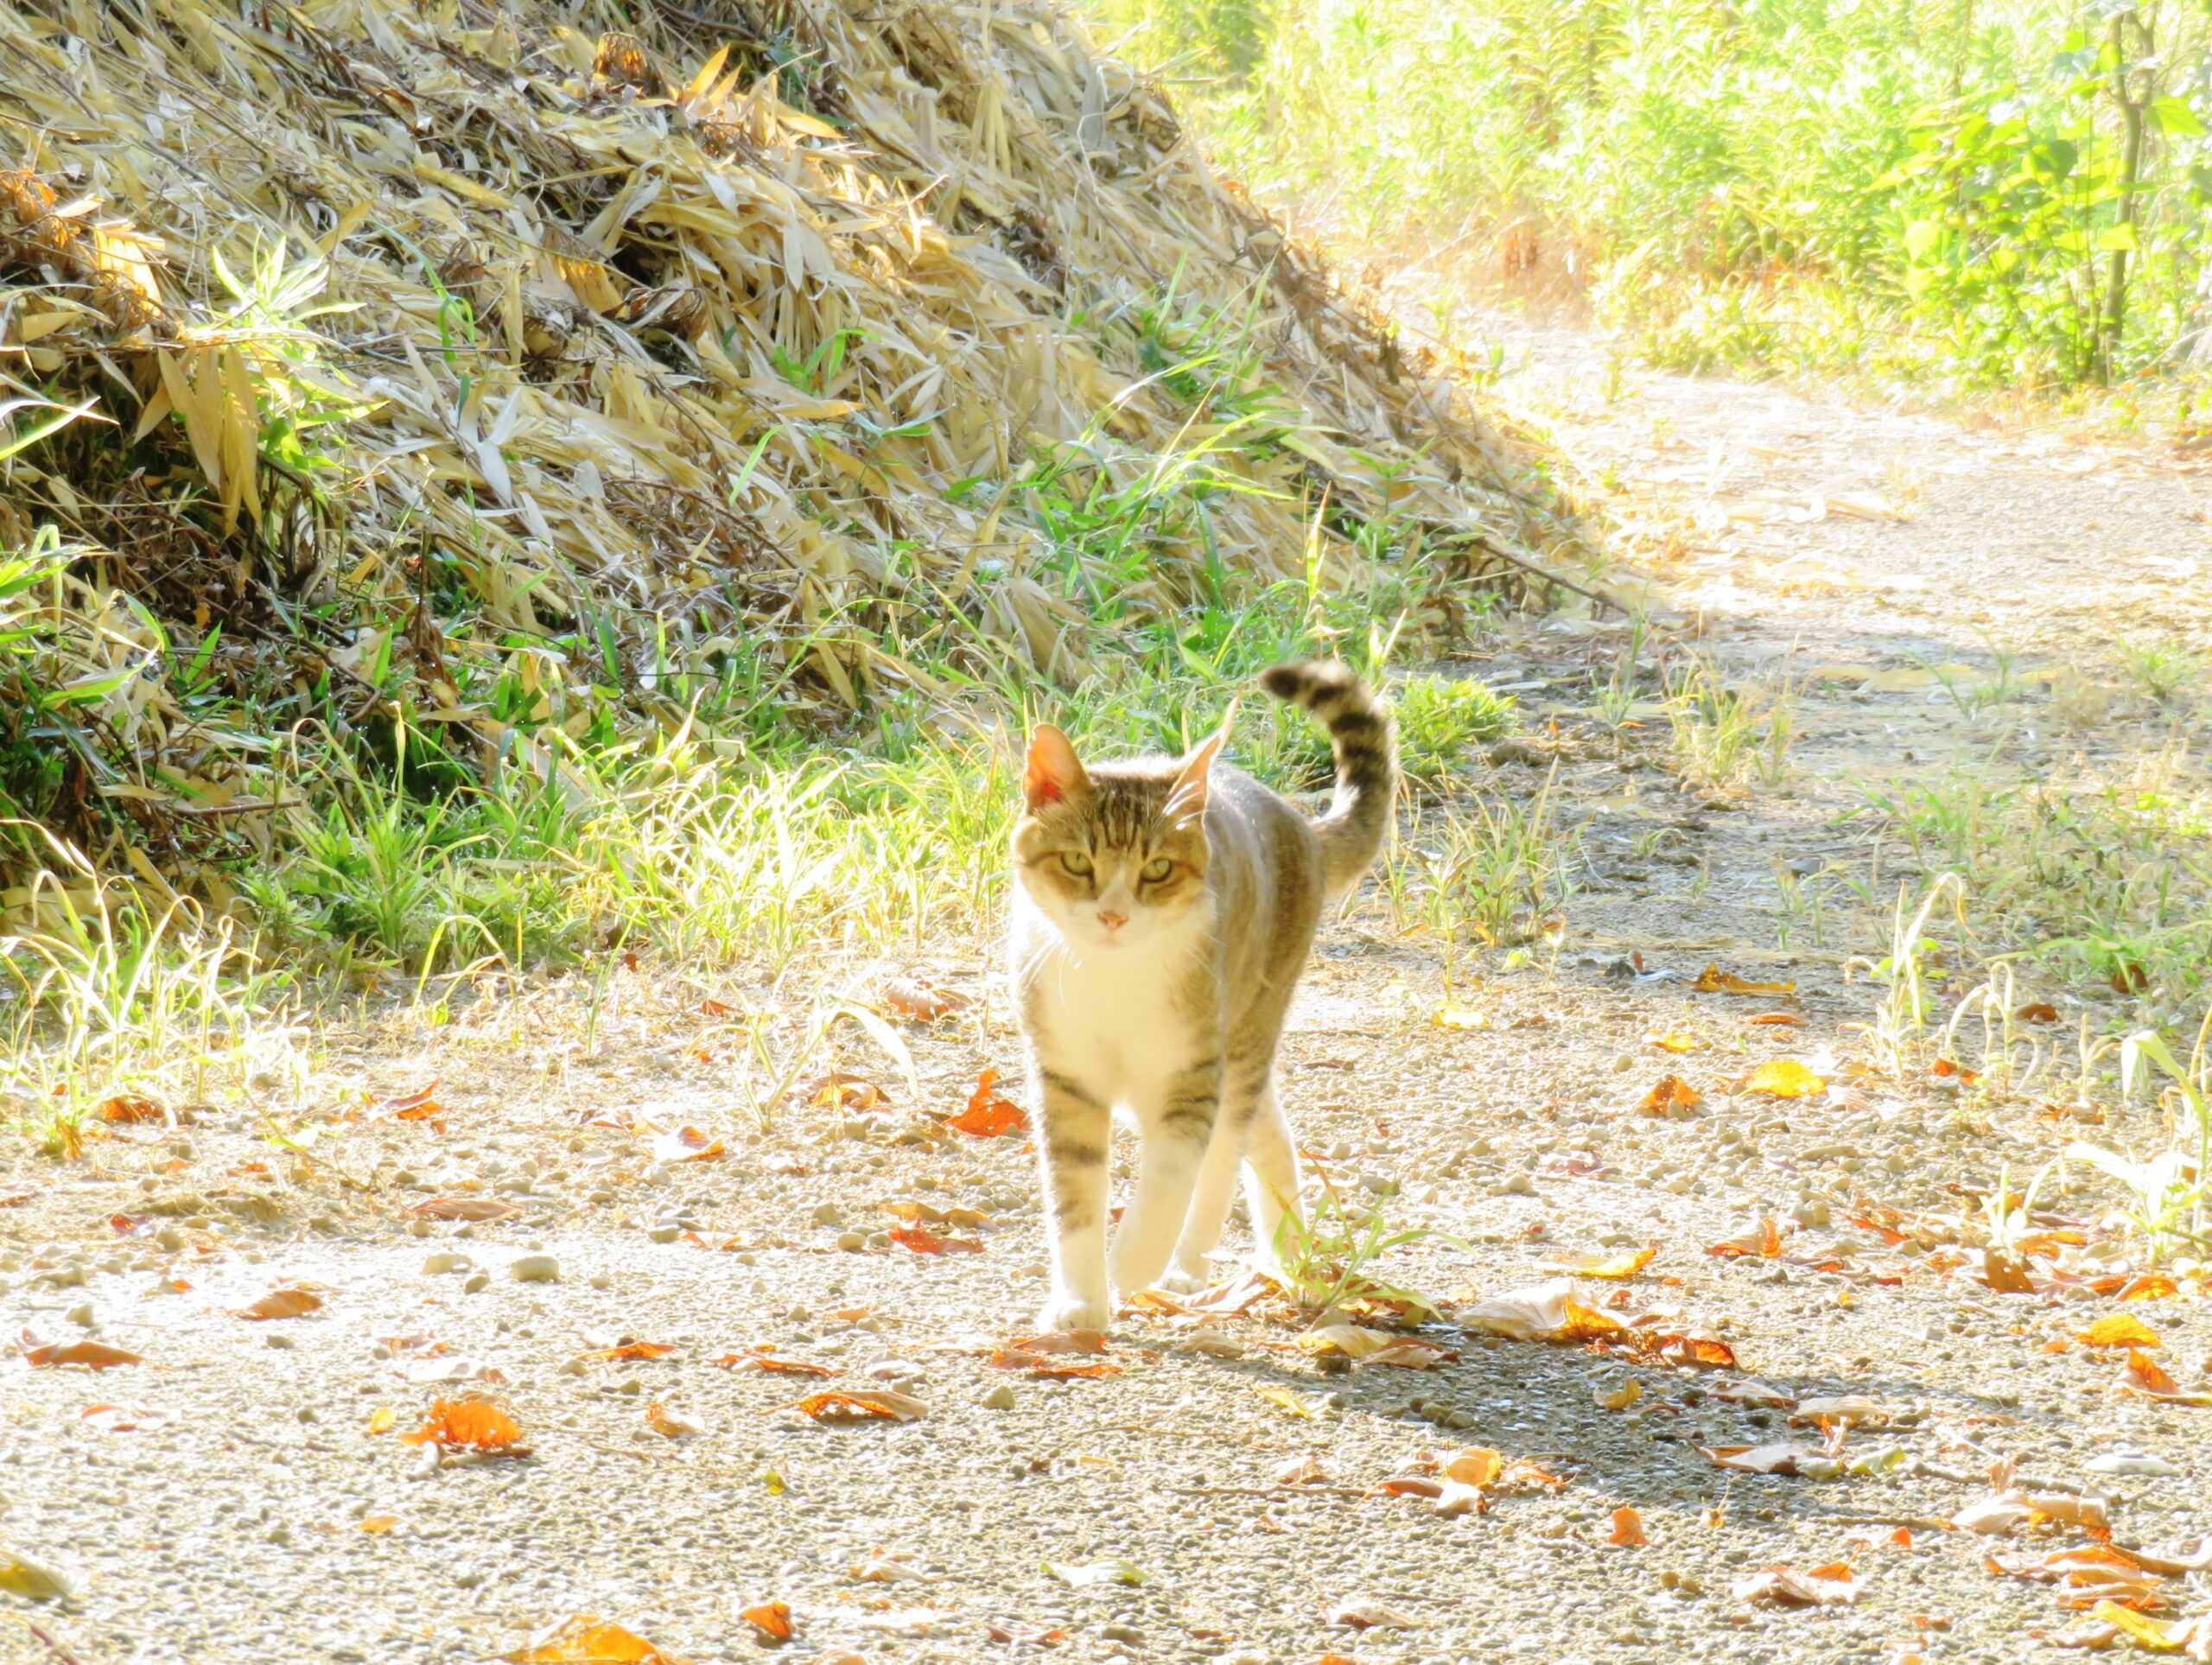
(1113, 922)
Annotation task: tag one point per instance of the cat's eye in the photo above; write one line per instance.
(1157, 869)
(1076, 863)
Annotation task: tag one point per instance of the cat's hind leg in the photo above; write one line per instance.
(1175, 1133)
(1271, 1183)
(1216, 1187)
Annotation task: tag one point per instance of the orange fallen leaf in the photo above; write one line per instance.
(126, 1418)
(1822, 1586)
(475, 1210)
(467, 1424)
(1763, 1239)
(2150, 1286)
(840, 1092)
(1673, 1041)
(773, 1363)
(378, 1523)
(667, 1420)
(1949, 1070)
(1784, 1077)
(94, 1355)
(1698, 1352)
(1628, 1529)
(862, 1405)
(422, 1105)
(1774, 1017)
(987, 1116)
(2120, 1330)
(283, 1303)
(2146, 1373)
(772, 1619)
(381, 1419)
(1594, 1263)
(1668, 1093)
(921, 999)
(126, 1107)
(685, 1144)
(2037, 1012)
(2006, 1273)
(586, 1641)
(1714, 980)
(628, 1348)
(922, 1241)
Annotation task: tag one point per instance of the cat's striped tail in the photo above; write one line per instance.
(1366, 746)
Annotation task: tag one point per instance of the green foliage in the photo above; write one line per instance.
(1919, 187)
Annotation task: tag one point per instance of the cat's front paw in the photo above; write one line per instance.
(1066, 1312)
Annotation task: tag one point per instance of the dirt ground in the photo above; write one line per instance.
(1163, 1511)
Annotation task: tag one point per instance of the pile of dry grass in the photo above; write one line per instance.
(487, 363)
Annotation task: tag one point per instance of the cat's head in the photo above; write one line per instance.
(1115, 855)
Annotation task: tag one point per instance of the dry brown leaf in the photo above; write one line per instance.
(775, 1362)
(862, 1405)
(1821, 1586)
(93, 1355)
(1669, 1095)
(289, 1303)
(1628, 1529)
(922, 1241)
(474, 1210)
(2037, 1012)
(2007, 1275)
(685, 1144)
(1714, 980)
(1775, 1459)
(921, 999)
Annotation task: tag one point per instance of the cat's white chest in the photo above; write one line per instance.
(1113, 1019)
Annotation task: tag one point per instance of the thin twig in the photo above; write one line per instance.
(54, 1647)
(1546, 574)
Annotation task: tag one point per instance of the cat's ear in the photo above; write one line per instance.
(1053, 771)
(1188, 795)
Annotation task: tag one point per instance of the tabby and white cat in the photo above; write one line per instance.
(1163, 912)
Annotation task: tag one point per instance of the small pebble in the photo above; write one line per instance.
(445, 1259)
(601, 1280)
(476, 1283)
(828, 1214)
(664, 1233)
(851, 1242)
(278, 1340)
(81, 1313)
(535, 1268)
(1000, 1398)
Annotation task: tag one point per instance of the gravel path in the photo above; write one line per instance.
(1231, 1477)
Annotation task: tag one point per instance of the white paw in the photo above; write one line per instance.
(1179, 1280)
(1072, 1312)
